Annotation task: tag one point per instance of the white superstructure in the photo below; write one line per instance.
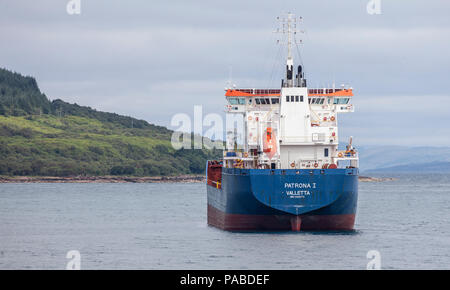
(293, 127)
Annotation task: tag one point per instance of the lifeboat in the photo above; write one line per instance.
(270, 143)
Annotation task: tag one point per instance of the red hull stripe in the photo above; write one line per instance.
(241, 222)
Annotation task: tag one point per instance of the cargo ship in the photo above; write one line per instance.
(289, 173)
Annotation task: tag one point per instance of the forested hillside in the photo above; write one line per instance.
(54, 138)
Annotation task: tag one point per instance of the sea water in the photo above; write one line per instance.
(163, 226)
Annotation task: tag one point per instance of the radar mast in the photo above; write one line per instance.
(288, 26)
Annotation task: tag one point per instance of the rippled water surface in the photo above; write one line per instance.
(163, 226)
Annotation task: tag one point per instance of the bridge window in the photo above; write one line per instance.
(316, 101)
(296, 98)
(263, 101)
(275, 101)
(341, 101)
(233, 101)
(236, 101)
(292, 98)
(301, 99)
(287, 98)
(257, 101)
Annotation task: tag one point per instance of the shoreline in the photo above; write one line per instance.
(375, 179)
(131, 179)
(104, 179)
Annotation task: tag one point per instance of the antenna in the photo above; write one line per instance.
(288, 25)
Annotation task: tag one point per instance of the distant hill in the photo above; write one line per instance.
(382, 157)
(54, 138)
(433, 167)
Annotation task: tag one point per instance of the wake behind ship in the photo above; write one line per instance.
(289, 173)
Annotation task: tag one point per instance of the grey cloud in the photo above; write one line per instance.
(152, 59)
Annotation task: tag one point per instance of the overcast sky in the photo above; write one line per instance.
(153, 59)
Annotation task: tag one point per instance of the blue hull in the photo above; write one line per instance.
(292, 199)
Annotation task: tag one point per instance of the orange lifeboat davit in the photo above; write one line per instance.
(270, 143)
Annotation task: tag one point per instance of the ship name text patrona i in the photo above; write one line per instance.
(295, 185)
